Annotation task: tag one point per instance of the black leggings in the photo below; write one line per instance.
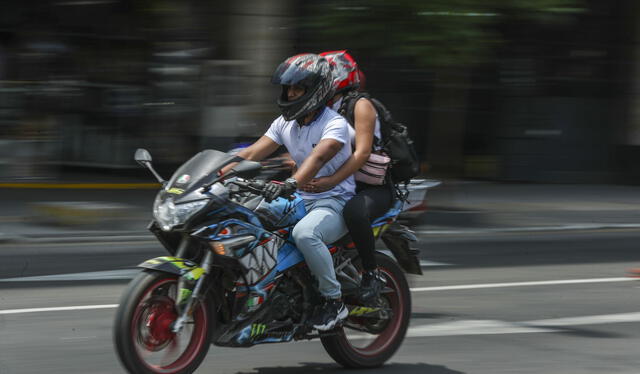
(368, 204)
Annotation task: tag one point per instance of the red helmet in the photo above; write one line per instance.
(363, 81)
(346, 74)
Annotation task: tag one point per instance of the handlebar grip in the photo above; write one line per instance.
(257, 184)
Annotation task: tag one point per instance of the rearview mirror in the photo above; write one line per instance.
(142, 156)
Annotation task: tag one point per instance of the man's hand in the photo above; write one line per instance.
(275, 189)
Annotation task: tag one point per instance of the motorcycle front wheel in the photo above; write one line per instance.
(142, 334)
(370, 342)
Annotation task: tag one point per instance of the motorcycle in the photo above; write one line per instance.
(234, 277)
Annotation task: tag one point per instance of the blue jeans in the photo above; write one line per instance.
(322, 225)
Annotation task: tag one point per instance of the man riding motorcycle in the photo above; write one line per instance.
(317, 139)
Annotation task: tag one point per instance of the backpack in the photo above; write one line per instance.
(395, 140)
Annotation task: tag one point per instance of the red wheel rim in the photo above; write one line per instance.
(154, 342)
(383, 340)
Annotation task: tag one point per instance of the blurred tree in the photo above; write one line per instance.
(433, 33)
(447, 37)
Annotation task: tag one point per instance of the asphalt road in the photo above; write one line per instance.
(512, 303)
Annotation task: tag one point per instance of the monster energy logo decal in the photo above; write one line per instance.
(257, 329)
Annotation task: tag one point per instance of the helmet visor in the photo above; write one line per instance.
(288, 74)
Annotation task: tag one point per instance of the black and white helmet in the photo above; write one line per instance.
(309, 71)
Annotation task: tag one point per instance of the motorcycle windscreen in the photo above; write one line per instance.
(200, 169)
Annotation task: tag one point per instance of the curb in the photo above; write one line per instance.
(143, 236)
(439, 216)
(80, 213)
(81, 186)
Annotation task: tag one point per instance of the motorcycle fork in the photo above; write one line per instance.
(187, 309)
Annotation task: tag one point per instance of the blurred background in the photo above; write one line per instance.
(535, 90)
(526, 110)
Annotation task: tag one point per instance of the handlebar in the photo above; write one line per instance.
(251, 185)
(256, 186)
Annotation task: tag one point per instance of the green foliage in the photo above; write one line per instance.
(431, 32)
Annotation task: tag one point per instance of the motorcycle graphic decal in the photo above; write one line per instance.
(194, 274)
(184, 295)
(362, 310)
(185, 178)
(174, 265)
(262, 259)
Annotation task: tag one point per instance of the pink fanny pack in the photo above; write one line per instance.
(374, 170)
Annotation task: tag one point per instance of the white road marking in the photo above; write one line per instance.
(456, 328)
(589, 320)
(57, 309)
(521, 284)
(78, 338)
(425, 263)
(490, 327)
(93, 275)
(474, 327)
(419, 289)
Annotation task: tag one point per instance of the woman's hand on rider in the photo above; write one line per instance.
(317, 185)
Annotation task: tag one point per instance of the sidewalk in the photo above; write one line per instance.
(122, 209)
(494, 206)
(77, 206)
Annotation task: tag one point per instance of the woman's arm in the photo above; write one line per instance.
(365, 122)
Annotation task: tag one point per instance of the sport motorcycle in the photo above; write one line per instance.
(234, 277)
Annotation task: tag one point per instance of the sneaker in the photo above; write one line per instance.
(371, 285)
(330, 314)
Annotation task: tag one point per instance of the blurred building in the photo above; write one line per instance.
(85, 83)
(556, 104)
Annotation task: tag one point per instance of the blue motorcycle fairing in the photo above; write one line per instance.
(288, 256)
(395, 210)
(216, 231)
(282, 212)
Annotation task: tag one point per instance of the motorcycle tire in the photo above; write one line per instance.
(342, 347)
(142, 328)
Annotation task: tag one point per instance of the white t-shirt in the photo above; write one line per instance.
(352, 131)
(300, 141)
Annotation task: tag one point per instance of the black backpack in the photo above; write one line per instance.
(395, 140)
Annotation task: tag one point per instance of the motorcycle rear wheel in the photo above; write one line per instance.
(343, 345)
(143, 338)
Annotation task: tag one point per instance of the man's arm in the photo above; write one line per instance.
(257, 151)
(321, 154)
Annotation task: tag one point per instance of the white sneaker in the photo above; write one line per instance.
(330, 314)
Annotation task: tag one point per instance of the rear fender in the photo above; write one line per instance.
(398, 238)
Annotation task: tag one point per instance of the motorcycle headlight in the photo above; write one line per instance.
(168, 214)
